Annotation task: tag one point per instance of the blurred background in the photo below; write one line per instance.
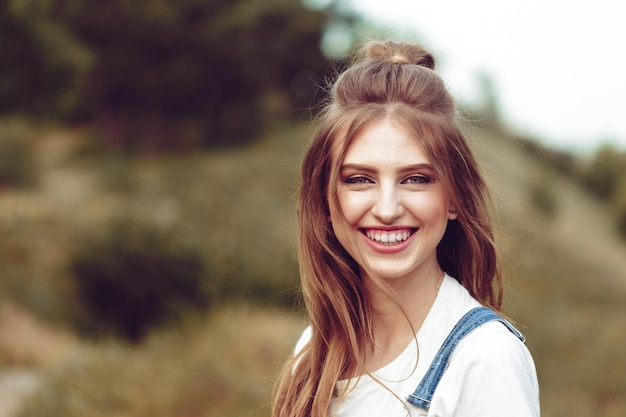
(149, 156)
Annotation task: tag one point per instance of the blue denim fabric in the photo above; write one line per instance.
(470, 321)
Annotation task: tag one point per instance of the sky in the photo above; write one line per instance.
(558, 67)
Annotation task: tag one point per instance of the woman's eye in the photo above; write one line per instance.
(417, 179)
(358, 180)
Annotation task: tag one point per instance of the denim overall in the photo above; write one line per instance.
(470, 321)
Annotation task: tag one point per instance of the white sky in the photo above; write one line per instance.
(559, 67)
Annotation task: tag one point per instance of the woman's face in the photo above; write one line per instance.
(393, 203)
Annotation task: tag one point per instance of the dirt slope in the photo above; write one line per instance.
(581, 227)
(566, 279)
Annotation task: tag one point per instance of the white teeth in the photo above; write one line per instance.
(388, 237)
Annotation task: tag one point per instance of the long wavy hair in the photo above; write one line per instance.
(387, 80)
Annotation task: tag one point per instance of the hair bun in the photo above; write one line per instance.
(400, 53)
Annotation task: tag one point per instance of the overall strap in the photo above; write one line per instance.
(470, 321)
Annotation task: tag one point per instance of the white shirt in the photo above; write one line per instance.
(491, 372)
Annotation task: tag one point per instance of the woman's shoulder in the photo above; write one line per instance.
(304, 339)
(495, 356)
(491, 347)
(492, 372)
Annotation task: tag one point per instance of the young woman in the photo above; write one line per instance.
(398, 263)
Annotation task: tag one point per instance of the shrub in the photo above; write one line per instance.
(135, 279)
(542, 195)
(17, 165)
(603, 175)
(619, 206)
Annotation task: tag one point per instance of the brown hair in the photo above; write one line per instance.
(394, 80)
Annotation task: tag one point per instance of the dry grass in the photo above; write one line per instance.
(25, 341)
(221, 365)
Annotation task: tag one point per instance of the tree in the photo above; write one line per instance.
(42, 65)
(181, 72)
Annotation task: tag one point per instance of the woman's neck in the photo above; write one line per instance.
(396, 317)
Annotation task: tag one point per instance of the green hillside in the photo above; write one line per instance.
(566, 276)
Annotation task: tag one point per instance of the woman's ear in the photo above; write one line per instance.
(452, 213)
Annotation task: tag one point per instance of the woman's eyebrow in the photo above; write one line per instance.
(417, 167)
(357, 167)
(368, 168)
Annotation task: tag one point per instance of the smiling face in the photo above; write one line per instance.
(393, 204)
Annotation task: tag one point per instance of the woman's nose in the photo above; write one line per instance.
(388, 205)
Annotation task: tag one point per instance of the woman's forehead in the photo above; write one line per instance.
(350, 131)
(384, 142)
